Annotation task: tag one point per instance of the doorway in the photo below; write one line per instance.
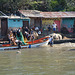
(4, 27)
(26, 24)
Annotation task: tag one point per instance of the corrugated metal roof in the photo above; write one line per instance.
(36, 13)
(30, 13)
(58, 14)
(17, 17)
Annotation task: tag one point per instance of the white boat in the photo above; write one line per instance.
(37, 43)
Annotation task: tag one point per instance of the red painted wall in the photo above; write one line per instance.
(58, 24)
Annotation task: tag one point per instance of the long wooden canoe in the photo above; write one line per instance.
(40, 42)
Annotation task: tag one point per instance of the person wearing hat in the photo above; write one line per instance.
(50, 41)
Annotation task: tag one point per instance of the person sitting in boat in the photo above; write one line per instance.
(39, 32)
(51, 41)
(36, 29)
(32, 37)
(33, 27)
(11, 38)
(16, 41)
(11, 35)
(31, 31)
(20, 37)
(26, 35)
(26, 29)
(13, 42)
(18, 32)
(14, 31)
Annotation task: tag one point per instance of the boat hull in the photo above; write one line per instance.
(25, 46)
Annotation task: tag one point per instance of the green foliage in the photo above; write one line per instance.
(70, 5)
(54, 5)
(11, 6)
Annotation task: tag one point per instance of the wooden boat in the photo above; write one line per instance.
(32, 44)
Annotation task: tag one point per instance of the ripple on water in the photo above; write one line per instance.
(56, 60)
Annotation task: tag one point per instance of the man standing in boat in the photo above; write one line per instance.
(51, 41)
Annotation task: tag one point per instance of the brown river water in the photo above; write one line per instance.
(56, 60)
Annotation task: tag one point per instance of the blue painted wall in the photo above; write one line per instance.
(16, 22)
(68, 23)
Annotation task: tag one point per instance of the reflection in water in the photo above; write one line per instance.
(38, 61)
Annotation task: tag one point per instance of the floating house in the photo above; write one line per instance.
(17, 21)
(62, 19)
(34, 15)
(12, 22)
(31, 18)
(44, 19)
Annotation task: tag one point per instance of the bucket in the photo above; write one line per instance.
(30, 46)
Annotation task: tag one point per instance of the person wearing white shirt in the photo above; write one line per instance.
(54, 26)
(50, 41)
(39, 32)
(36, 28)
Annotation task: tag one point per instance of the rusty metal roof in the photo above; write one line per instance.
(36, 13)
(30, 13)
(58, 14)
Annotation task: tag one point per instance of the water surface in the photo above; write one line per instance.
(57, 60)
